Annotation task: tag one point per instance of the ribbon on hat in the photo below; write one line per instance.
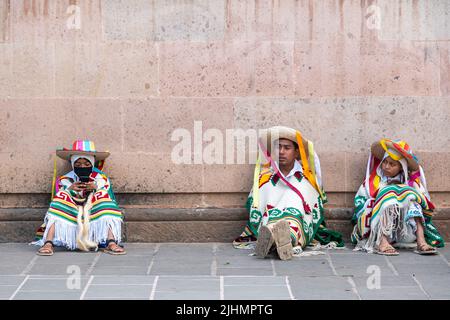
(277, 171)
(306, 170)
(256, 174)
(54, 177)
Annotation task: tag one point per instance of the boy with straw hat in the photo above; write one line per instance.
(83, 213)
(393, 204)
(286, 201)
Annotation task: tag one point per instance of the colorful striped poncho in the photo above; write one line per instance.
(104, 214)
(374, 198)
(299, 200)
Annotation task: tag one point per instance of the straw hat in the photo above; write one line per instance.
(82, 147)
(396, 149)
(267, 136)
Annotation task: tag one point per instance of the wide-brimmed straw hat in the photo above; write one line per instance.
(267, 136)
(82, 147)
(396, 149)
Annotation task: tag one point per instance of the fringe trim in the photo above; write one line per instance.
(395, 223)
(98, 229)
(386, 225)
(83, 241)
(65, 233)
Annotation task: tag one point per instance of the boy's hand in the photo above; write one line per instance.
(77, 186)
(90, 186)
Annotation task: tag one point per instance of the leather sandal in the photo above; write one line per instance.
(114, 251)
(46, 251)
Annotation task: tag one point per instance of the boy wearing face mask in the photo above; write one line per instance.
(83, 214)
(393, 204)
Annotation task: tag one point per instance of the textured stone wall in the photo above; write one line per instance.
(127, 73)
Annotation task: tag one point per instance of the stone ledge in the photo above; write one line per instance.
(186, 214)
(181, 225)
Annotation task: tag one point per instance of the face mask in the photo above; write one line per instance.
(83, 173)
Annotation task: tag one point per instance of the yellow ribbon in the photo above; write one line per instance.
(396, 157)
(256, 174)
(54, 177)
(307, 172)
(311, 158)
(313, 168)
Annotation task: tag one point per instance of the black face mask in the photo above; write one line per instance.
(83, 173)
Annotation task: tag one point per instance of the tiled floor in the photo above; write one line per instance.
(217, 271)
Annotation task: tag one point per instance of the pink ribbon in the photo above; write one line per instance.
(277, 171)
(412, 178)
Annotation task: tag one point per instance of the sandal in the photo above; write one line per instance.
(388, 251)
(425, 249)
(282, 237)
(114, 251)
(46, 251)
(264, 243)
(245, 239)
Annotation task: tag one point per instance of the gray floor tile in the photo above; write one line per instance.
(436, 286)
(123, 280)
(245, 271)
(386, 280)
(264, 288)
(15, 259)
(194, 271)
(118, 291)
(54, 284)
(328, 288)
(6, 291)
(445, 252)
(11, 270)
(17, 247)
(196, 288)
(392, 293)
(11, 280)
(47, 295)
(125, 260)
(359, 264)
(255, 281)
(120, 270)
(161, 267)
(57, 269)
(185, 249)
(437, 267)
(256, 293)
(305, 267)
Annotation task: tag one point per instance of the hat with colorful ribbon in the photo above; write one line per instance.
(396, 149)
(270, 135)
(82, 147)
(306, 157)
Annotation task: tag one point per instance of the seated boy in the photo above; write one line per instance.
(393, 204)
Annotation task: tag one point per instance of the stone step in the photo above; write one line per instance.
(181, 224)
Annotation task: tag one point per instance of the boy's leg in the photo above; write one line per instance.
(422, 245)
(264, 242)
(385, 246)
(112, 245)
(47, 248)
(282, 237)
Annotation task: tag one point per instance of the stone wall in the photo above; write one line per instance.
(126, 74)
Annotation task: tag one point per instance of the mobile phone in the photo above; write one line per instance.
(84, 179)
